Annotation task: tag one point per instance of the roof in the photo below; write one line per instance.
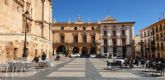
(109, 19)
(152, 25)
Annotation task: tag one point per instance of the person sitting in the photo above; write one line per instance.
(36, 59)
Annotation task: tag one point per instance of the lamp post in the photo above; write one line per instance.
(141, 49)
(25, 41)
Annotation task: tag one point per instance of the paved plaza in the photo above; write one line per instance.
(81, 69)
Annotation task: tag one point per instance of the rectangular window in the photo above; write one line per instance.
(93, 28)
(114, 42)
(105, 42)
(62, 38)
(75, 38)
(75, 28)
(160, 28)
(114, 33)
(93, 39)
(123, 32)
(84, 28)
(62, 28)
(105, 33)
(123, 41)
(84, 38)
(162, 46)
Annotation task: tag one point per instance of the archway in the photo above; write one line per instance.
(93, 50)
(75, 50)
(61, 49)
(84, 52)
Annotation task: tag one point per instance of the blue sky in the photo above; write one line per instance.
(143, 12)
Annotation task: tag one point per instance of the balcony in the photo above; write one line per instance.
(114, 36)
(123, 36)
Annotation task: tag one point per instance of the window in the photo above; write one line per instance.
(164, 26)
(144, 34)
(123, 41)
(161, 36)
(62, 38)
(160, 28)
(93, 39)
(62, 28)
(157, 37)
(141, 35)
(158, 46)
(156, 29)
(75, 28)
(6, 2)
(105, 33)
(114, 42)
(84, 38)
(84, 28)
(123, 32)
(148, 33)
(162, 46)
(114, 33)
(105, 42)
(153, 31)
(75, 38)
(93, 28)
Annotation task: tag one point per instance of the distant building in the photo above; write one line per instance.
(107, 37)
(153, 40)
(116, 37)
(137, 46)
(13, 23)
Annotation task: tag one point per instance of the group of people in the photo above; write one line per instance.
(37, 58)
(43, 57)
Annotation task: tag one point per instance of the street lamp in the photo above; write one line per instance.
(25, 41)
(141, 48)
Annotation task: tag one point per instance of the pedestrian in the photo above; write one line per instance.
(43, 56)
(36, 59)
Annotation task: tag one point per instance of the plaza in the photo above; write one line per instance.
(36, 46)
(81, 69)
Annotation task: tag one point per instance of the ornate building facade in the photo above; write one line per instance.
(106, 37)
(116, 38)
(153, 40)
(13, 23)
(76, 37)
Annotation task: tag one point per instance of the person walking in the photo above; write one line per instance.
(43, 56)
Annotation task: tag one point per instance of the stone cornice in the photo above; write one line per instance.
(22, 34)
(20, 2)
(41, 22)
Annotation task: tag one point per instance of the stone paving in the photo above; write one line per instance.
(81, 69)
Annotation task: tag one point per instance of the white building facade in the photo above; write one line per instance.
(116, 38)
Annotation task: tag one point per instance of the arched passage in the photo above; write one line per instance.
(61, 49)
(93, 50)
(84, 52)
(75, 50)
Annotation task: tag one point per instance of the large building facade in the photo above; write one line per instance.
(116, 38)
(12, 28)
(107, 37)
(153, 40)
(76, 37)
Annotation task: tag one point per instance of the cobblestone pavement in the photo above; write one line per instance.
(81, 69)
